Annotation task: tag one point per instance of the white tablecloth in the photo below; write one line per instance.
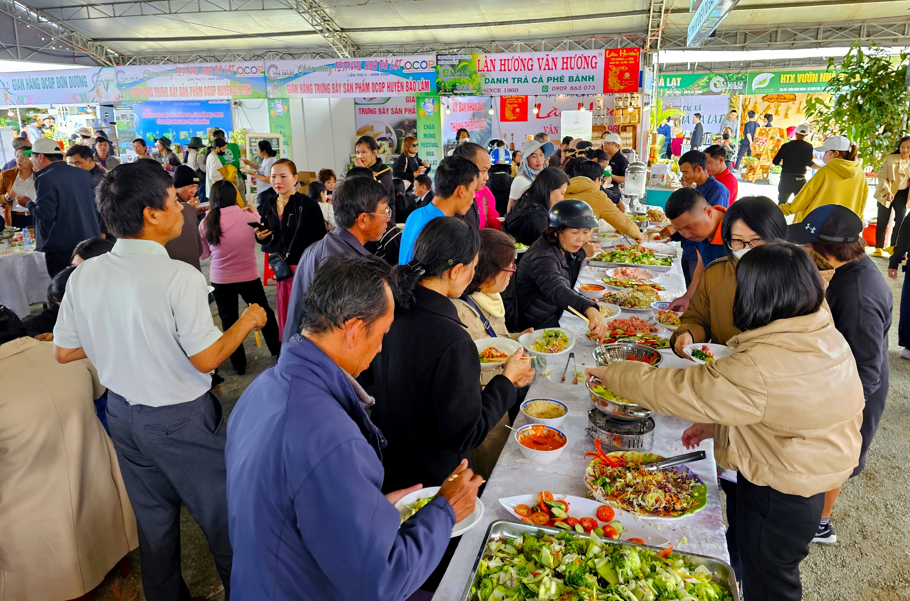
(23, 280)
(515, 475)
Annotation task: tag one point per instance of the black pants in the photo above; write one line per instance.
(899, 206)
(170, 456)
(57, 262)
(745, 148)
(773, 533)
(729, 489)
(251, 292)
(21, 220)
(789, 185)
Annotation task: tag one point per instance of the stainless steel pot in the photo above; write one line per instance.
(620, 435)
(610, 407)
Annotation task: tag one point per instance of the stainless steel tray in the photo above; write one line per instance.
(614, 409)
(722, 572)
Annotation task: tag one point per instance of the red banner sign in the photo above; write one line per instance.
(513, 108)
(621, 67)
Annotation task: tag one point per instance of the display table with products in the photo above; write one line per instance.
(701, 533)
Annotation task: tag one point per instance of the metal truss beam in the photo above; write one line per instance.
(54, 33)
(153, 8)
(315, 14)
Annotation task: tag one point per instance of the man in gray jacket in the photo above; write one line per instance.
(360, 205)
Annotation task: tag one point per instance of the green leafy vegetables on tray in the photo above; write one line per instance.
(570, 567)
(632, 256)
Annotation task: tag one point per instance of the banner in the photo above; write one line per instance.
(72, 86)
(698, 84)
(387, 119)
(211, 81)
(577, 124)
(280, 123)
(513, 108)
(180, 121)
(429, 130)
(713, 110)
(621, 66)
(779, 82)
(323, 78)
(549, 119)
(525, 73)
(471, 113)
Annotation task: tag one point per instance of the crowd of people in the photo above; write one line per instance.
(378, 388)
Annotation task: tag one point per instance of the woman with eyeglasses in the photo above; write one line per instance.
(408, 165)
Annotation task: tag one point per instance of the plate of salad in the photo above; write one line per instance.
(617, 479)
(493, 352)
(410, 504)
(633, 300)
(632, 284)
(548, 342)
(520, 248)
(706, 352)
(549, 564)
(578, 514)
(632, 256)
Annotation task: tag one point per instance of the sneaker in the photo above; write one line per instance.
(877, 253)
(905, 354)
(825, 535)
(890, 250)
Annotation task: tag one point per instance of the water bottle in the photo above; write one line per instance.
(26, 239)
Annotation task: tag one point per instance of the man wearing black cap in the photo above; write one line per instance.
(861, 305)
(187, 247)
(64, 205)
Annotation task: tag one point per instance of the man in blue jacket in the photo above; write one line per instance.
(64, 205)
(306, 515)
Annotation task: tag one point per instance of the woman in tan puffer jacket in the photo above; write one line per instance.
(787, 405)
(891, 194)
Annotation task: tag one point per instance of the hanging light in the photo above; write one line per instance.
(536, 106)
(491, 111)
(448, 109)
(581, 106)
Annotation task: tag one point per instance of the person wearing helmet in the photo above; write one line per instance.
(546, 276)
(500, 181)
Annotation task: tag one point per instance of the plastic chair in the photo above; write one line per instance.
(267, 272)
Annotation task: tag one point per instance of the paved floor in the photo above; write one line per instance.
(868, 561)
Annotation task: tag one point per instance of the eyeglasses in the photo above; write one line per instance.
(741, 244)
(513, 269)
(387, 214)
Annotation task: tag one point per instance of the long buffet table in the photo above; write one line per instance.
(702, 533)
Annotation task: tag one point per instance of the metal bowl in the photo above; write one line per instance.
(605, 354)
(620, 435)
(614, 409)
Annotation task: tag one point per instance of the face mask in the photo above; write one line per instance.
(739, 254)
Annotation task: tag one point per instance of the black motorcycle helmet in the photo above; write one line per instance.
(572, 214)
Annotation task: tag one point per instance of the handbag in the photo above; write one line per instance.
(279, 263)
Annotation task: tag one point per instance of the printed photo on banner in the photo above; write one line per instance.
(387, 119)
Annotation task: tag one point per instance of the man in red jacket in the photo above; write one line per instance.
(717, 168)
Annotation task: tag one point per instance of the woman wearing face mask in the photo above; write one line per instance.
(841, 181)
(534, 159)
(530, 215)
(546, 276)
(729, 145)
(891, 193)
(367, 156)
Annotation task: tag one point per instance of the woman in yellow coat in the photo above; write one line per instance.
(65, 519)
(841, 181)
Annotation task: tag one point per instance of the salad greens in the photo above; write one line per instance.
(571, 568)
(413, 507)
(552, 341)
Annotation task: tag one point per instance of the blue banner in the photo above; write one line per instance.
(181, 120)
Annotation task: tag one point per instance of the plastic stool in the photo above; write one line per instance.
(267, 272)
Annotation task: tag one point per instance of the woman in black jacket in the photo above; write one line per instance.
(367, 151)
(408, 164)
(529, 217)
(293, 220)
(429, 404)
(549, 269)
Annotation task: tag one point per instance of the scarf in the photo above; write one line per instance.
(531, 173)
(365, 399)
(491, 304)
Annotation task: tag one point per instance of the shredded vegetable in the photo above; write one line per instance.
(552, 341)
(632, 256)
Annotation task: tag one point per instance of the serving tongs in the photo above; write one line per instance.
(673, 461)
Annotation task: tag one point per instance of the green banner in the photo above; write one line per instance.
(429, 130)
(777, 82)
(699, 84)
(280, 123)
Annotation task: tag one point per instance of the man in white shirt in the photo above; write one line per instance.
(144, 321)
(213, 165)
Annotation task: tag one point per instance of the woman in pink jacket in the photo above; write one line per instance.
(228, 238)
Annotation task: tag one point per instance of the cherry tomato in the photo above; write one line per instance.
(636, 541)
(605, 513)
(539, 518)
(666, 552)
(571, 521)
(523, 510)
(610, 532)
(588, 524)
(543, 508)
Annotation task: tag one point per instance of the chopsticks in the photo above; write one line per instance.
(572, 309)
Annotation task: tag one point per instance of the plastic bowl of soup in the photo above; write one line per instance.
(591, 291)
(541, 444)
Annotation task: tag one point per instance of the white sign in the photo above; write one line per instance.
(707, 18)
(577, 124)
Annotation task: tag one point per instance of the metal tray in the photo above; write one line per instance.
(613, 409)
(721, 570)
(612, 352)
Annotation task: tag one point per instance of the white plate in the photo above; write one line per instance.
(580, 507)
(506, 345)
(719, 350)
(645, 274)
(521, 251)
(460, 528)
(651, 268)
(614, 311)
(527, 341)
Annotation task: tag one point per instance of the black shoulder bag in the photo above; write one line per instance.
(277, 261)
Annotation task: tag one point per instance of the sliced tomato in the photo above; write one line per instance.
(610, 532)
(527, 520)
(523, 510)
(605, 513)
(666, 552)
(588, 524)
(637, 541)
(571, 521)
(564, 503)
(544, 496)
(539, 518)
(543, 508)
